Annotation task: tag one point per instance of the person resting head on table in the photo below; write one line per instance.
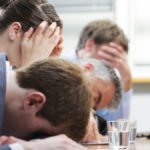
(100, 74)
(104, 80)
(104, 40)
(51, 96)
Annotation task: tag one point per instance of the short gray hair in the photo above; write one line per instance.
(104, 71)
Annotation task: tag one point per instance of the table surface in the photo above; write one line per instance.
(140, 144)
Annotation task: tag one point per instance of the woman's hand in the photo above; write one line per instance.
(58, 49)
(44, 42)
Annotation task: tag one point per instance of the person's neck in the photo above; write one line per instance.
(80, 53)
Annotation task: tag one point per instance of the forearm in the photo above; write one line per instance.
(125, 77)
(127, 82)
(126, 100)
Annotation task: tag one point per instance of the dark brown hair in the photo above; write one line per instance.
(29, 13)
(68, 93)
(103, 31)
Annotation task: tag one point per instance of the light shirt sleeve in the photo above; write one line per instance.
(123, 110)
(16, 146)
(72, 55)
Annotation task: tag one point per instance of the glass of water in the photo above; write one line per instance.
(133, 126)
(118, 134)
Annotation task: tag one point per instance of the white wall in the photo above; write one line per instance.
(73, 23)
(140, 106)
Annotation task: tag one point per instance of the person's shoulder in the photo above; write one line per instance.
(3, 68)
(5, 147)
(3, 56)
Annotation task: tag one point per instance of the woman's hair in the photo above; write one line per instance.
(29, 13)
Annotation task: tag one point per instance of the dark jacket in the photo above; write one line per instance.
(3, 59)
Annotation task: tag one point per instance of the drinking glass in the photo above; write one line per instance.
(133, 126)
(118, 134)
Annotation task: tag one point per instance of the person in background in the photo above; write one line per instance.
(104, 40)
(101, 75)
(104, 80)
(36, 102)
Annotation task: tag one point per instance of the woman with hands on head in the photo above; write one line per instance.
(18, 20)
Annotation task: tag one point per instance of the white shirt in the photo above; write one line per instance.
(16, 146)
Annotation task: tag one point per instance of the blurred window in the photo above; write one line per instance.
(142, 33)
(82, 5)
(77, 14)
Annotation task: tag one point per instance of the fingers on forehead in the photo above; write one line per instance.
(117, 46)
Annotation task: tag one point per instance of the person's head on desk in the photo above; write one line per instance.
(106, 85)
(51, 96)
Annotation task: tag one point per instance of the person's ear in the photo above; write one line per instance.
(14, 30)
(34, 100)
(87, 67)
(89, 44)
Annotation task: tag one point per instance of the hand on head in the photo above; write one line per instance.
(116, 57)
(58, 49)
(42, 44)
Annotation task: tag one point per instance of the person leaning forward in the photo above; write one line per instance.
(38, 89)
